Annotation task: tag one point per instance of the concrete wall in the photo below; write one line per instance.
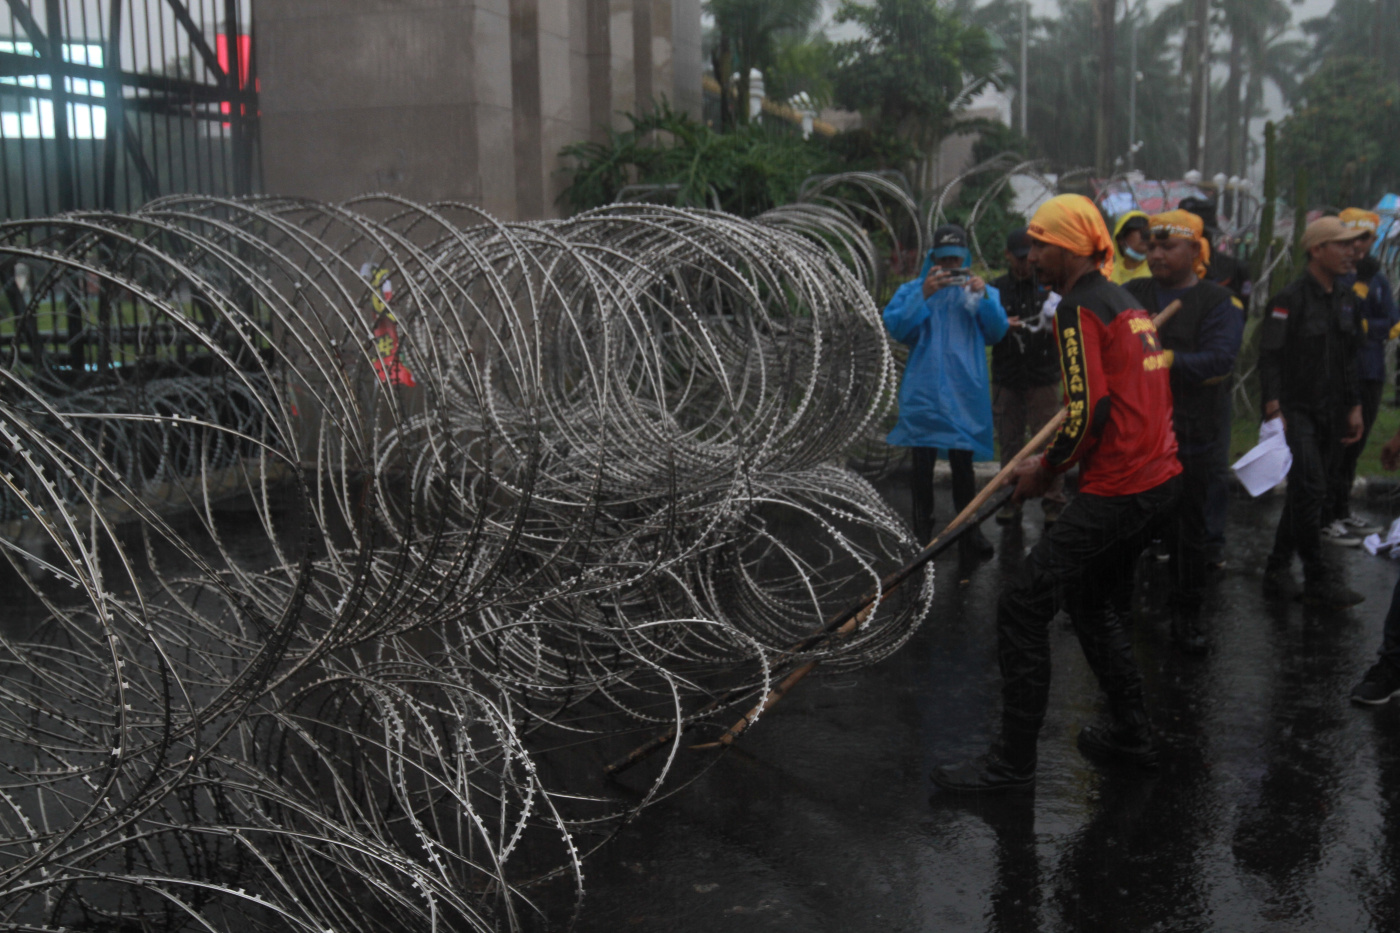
(466, 100)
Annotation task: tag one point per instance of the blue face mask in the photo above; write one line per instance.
(1134, 255)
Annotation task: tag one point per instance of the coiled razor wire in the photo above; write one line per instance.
(343, 542)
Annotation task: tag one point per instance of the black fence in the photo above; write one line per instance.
(106, 104)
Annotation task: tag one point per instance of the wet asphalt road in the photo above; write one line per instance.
(1277, 807)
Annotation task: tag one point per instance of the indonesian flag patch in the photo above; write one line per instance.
(1279, 314)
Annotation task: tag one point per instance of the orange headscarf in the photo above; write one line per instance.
(1183, 225)
(1358, 218)
(1073, 222)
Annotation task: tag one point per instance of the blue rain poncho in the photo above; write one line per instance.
(945, 397)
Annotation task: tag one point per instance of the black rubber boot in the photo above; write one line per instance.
(1127, 737)
(986, 774)
(1008, 766)
(1328, 592)
(975, 545)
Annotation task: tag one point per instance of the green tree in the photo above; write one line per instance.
(996, 219)
(749, 170)
(1368, 28)
(1263, 49)
(1342, 131)
(747, 35)
(1064, 70)
(803, 64)
(914, 72)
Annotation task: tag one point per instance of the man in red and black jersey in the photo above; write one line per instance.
(1118, 428)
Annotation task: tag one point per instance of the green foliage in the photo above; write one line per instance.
(1369, 28)
(1346, 123)
(916, 69)
(996, 218)
(749, 170)
(802, 65)
(748, 35)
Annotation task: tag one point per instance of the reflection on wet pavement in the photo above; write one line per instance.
(1277, 807)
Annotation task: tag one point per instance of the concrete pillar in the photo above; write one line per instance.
(464, 100)
(492, 82)
(621, 51)
(592, 66)
(527, 107)
(686, 57)
(344, 106)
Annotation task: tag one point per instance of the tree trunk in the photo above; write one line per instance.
(723, 61)
(1104, 13)
(1233, 164)
(1198, 53)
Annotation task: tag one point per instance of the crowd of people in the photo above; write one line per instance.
(1136, 334)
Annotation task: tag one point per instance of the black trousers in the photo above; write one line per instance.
(1344, 472)
(1315, 442)
(1188, 535)
(1218, 488)
(1084, 562)
(1390, 641)
(921, 486)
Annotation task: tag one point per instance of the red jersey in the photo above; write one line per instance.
(1117, 390)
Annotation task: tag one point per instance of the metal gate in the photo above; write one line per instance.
(110, 103)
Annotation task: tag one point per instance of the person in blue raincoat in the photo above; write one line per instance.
(945, 397)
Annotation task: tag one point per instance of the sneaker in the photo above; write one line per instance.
(1340, 535)
(1359, 526)
(985, 774)
(1279, 584)
(1330, 594)
(1381, 683)
(1010, 514)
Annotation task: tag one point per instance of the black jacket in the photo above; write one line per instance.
(1204, 337)
(1307, 356)
(1023, 360)
(1231, 273)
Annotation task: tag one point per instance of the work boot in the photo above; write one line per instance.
(986, 774)
(1188, 633)
(1279, 583)
(1329, 593)
(1126, 737)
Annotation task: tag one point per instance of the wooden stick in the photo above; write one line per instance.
(853, 616)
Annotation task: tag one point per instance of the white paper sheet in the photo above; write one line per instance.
(1267, 463)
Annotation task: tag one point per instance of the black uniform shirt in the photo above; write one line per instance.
(1307, 357)
(1024, 360)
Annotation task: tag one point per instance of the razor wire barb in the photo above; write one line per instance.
(334, 531)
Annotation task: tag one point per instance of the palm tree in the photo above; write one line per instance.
(1277, 57)
(1065, 68)
(747, 34)
(1261, 49)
